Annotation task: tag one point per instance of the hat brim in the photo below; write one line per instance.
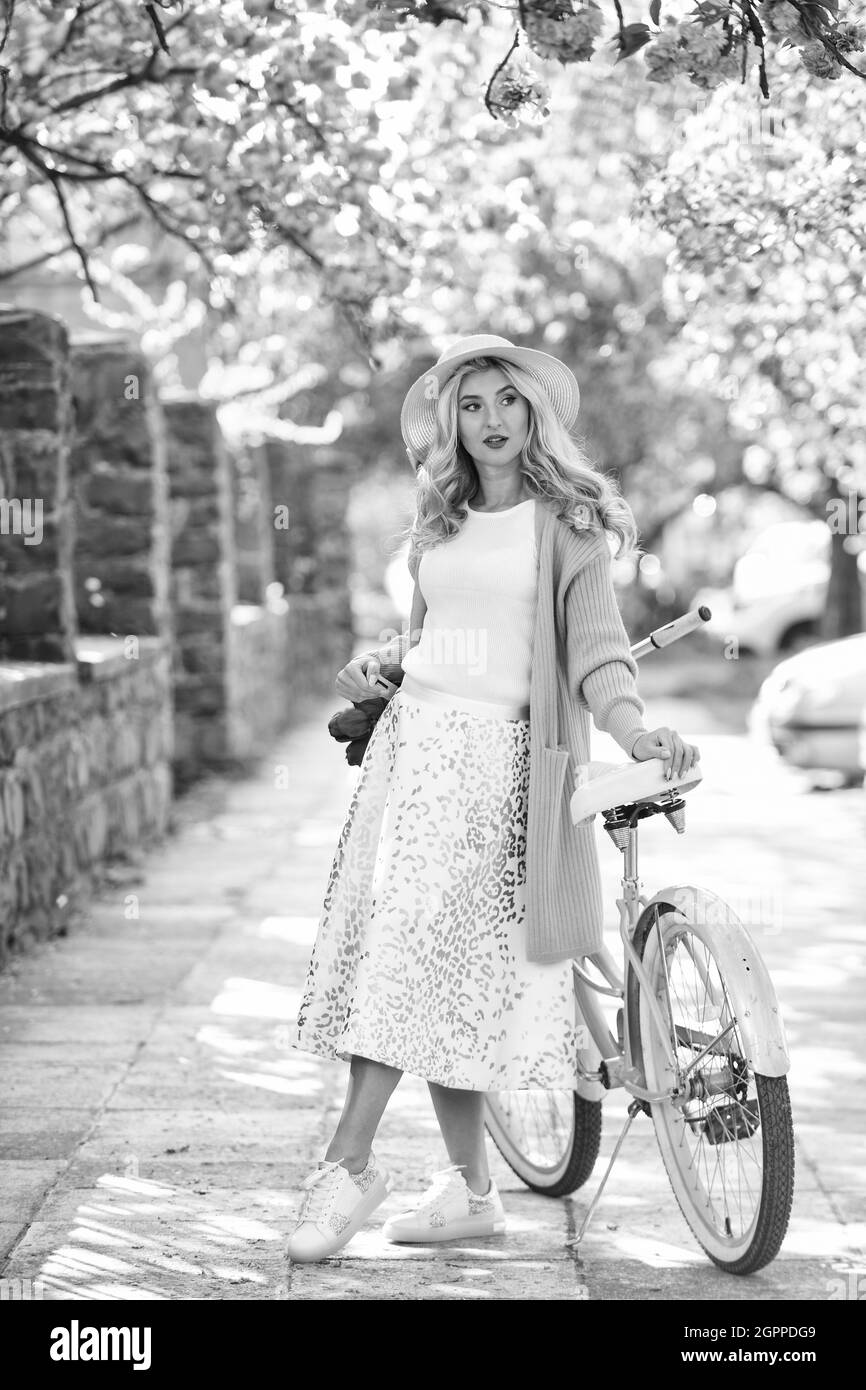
(418, 414)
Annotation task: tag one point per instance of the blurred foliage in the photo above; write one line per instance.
(265, 128)
(242, 128)
(768, 272)
(712, 42)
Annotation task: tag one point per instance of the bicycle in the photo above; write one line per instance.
(700, 1043)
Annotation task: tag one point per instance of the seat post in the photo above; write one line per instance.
(621, 824)
(629, 867)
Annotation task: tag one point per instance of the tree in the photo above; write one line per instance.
(233, 127)
(239, 126)
(768, 274)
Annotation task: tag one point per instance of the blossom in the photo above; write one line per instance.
(695, 49)
(783, 20)
(722, 69)
(515, 87)
(702, 44)
(570, 38)
(664, 57)
(818, 61)
(850, 37)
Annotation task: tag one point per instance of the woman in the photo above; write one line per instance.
(437, 951)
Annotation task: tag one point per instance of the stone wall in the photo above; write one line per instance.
(309, 490)
(283, 659)
(203, 585)
(85, 777)
(253, 523)
(171, 605)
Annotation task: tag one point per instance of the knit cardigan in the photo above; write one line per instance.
(581, 664)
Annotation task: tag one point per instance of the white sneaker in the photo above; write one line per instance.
(335, 1206)
(449, 1210)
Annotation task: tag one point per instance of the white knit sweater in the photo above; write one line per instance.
(480, 588)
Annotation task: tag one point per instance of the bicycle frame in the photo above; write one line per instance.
(755, 1007)
(616, 1058)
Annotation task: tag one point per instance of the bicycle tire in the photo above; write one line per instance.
(580, 1146)
(759, 1243)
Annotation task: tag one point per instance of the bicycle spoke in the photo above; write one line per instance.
(539, 1123)
(688, 946)
(719, 1141)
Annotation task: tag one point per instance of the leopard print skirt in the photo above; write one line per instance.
(419, 959)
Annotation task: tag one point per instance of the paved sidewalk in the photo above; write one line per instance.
(156, 1123)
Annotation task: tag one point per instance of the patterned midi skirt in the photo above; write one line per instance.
(419, 958)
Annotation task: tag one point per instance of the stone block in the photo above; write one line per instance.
(120, 492)
(100, 535)
(125, 492)
(193, 548)
(36, 420)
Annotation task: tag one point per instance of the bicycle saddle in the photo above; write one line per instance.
(620, 784)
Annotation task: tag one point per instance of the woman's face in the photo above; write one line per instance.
(492, 418)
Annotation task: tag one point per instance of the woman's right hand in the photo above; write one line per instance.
(355, 681)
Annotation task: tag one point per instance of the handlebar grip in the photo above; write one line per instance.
(671, 632)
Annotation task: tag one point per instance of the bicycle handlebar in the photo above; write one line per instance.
(671, 632)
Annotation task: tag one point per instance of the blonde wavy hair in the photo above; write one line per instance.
(552, 461)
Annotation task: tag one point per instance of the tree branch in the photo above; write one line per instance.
(294, 239)
(80, 11)
(104, 170)
(46, 80)
(76, 245)
(497, 70)
(161, 218)
(10, 15)
(129, 79)
(157, 26)
(34, 261)
(315, 131)
(156, 210)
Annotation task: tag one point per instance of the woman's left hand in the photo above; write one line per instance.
(667, 743)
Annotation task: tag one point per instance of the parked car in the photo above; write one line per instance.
(811, 706)
(779, 586)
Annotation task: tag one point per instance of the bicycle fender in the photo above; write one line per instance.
(748, 981)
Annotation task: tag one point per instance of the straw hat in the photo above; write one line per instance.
(418, 416)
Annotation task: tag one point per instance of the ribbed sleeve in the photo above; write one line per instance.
(601, 668)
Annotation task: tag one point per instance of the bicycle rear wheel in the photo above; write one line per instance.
(727, 1139)
(550, 1139)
